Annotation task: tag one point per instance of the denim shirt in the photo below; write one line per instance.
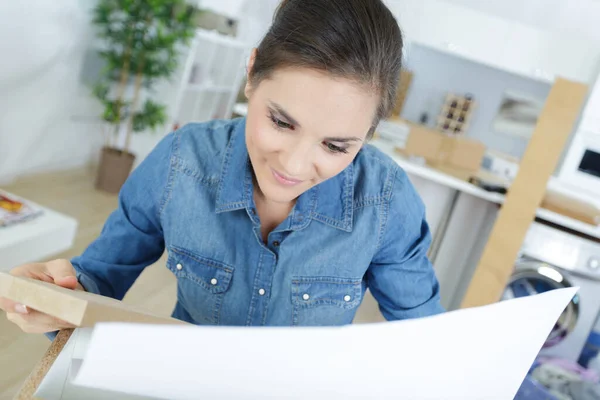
(193, 196)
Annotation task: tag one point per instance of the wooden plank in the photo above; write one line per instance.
(554, 126)
(76, 307)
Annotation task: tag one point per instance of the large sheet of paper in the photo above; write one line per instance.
(58, 382)
(478, 353)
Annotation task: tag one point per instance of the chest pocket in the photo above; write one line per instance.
(325, 300)
(201, 284)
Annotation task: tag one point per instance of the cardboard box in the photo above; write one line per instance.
(438, 148)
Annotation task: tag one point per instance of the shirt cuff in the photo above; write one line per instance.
(88, 285)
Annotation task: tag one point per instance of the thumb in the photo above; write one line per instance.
(69, 282)
(63, 273)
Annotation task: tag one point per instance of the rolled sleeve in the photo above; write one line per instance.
(401, 277)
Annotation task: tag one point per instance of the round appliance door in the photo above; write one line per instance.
(533, 277)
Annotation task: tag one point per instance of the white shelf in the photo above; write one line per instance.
(441, 178)
(570, 223)
(436, 176)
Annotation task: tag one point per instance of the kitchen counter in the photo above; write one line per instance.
(439, 177)
(434, 175)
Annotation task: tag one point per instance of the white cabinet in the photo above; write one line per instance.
(590, 119)
(452, 29)
(497, 42)
(547, 55)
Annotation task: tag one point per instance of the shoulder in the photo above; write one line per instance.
(210, 137)
(379, 179)
(198, 148)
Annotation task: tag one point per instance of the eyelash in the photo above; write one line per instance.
(335, 149)
(281, 125)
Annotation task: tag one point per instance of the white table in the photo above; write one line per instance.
(42, 237)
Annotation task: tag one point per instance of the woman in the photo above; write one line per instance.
(285, 217)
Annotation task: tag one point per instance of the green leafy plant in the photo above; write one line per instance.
(141, 39)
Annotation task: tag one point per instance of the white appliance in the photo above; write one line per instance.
(549, 259)
(581, 166)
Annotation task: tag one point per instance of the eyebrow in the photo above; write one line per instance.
(283, 113)
(292, 121)
(344, 139)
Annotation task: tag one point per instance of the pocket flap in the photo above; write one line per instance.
(313, 291)
(212, 275)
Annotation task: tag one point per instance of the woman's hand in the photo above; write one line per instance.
(58, 272)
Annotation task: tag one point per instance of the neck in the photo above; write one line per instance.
(275, 207)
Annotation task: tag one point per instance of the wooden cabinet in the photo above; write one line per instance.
(497, 42)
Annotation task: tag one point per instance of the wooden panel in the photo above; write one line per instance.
(526, 193)
(76, 307)
(405, 81)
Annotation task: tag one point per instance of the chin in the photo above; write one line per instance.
(280, 194)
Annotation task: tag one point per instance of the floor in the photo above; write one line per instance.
(73, 193)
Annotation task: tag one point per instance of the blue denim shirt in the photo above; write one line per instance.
(193, 196)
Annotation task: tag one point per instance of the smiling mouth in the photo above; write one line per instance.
(285, 180)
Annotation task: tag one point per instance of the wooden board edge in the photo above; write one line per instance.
(37, 375)
(17, 288)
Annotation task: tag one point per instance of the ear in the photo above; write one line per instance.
(248, 88)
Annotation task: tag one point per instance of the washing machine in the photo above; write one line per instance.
(551, 258)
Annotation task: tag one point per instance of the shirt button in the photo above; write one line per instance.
(347, 298)
(179, 267)
(261, 292)
(213, 281)
(276, 243)
(305, 296)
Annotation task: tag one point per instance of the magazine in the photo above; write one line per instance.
(14, 210)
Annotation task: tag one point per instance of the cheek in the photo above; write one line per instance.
(330, 165)
(261, 136)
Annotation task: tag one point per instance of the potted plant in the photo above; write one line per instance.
(140, 43)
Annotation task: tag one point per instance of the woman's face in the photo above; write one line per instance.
(304, 127)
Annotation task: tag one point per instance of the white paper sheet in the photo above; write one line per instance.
(57, 384)
(480, 353)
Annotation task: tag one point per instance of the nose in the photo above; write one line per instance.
(298, 160)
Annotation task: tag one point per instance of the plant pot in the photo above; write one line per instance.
(115, 166)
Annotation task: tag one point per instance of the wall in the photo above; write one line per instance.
(42, 45)
(577, 17)
(437, 73)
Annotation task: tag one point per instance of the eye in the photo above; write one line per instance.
(279, 124)
(334, 149)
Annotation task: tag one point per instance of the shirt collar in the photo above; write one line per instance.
(330, 202)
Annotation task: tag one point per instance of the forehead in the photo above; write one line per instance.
(322, 103)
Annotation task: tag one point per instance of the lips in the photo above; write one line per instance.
(284, 179)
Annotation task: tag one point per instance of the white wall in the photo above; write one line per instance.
(42, 45)
(576, 17)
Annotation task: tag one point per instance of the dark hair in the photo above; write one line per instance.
(354, 39)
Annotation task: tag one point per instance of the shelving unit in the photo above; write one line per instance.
(213, 72)
(456, 113)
